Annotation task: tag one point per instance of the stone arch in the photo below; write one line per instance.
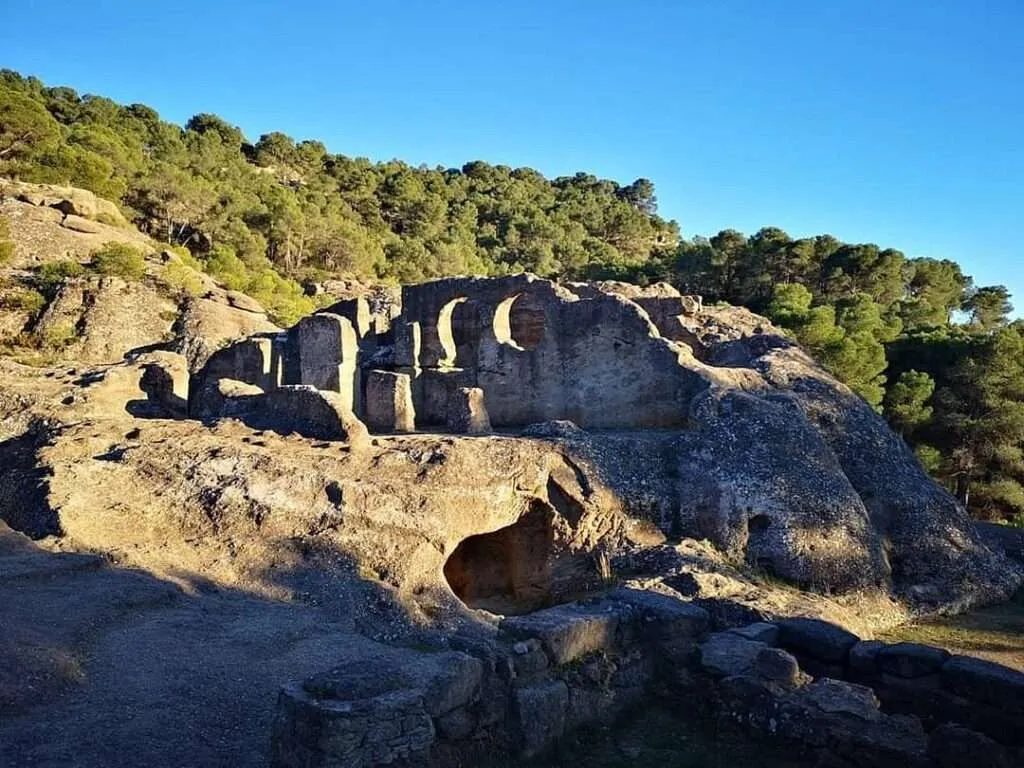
(520, 321)
(445, 334)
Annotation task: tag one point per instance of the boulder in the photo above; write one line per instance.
(78, 224)
(726, 654)
(777, 666)
(863, 658)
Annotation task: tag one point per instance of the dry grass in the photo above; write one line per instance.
(995, 633)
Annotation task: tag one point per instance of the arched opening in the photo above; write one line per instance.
(519, 321)
(758, 528)
(507, 571)
(445, 333)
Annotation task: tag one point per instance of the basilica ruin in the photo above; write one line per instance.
(467, 355)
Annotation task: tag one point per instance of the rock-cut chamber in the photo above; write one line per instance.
(507, 571)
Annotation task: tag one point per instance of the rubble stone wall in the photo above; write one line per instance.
(552, 671)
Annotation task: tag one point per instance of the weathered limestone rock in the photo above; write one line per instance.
(467, 413)
(568, 632)
(103, 319)
(328, 350)
(78, 224)
(388, 403)
(541, 712)
(239, 300)
(726, 654)
(307, 411)
(165, 381)
(206, 325)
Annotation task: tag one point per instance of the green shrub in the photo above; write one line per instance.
(120, 260)
(109, 219)
(183, 279)
(58, 336)
(284, 299)
(223, 265)
(186, 257)
(24, 300)
(53, 274)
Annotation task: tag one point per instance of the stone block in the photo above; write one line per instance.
(387, 405)
(457, 685)
(777, 666)
(726, 654)
(817, 639)
(328, 355)
(985, 681)
(761, 631)
(306, 411)
(407, 345)
(863, 658)
(911, 659)
(466, 413)
(568, 632)
(662, 616)
(541, 714)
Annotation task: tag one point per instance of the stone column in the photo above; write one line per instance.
(467, 413)
(328, 356)
(388, 404)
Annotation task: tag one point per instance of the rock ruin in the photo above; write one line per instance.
(530, 350)
(705, 421)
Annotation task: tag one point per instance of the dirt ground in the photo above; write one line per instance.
(106, 667)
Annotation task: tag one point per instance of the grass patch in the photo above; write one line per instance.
(995, 633)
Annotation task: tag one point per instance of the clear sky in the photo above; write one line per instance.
(887, 121)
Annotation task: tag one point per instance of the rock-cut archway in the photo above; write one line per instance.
(508, 571)
(519, 321)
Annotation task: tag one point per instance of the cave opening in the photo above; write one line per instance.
(507, 571)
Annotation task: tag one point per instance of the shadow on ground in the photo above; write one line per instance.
(108, 666)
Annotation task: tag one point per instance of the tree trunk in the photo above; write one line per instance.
(963, 489)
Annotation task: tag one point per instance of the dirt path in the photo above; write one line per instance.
(101, 666)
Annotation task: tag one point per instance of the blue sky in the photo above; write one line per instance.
(898, 122)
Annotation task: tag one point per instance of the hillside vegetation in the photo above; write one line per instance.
(914, 337)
